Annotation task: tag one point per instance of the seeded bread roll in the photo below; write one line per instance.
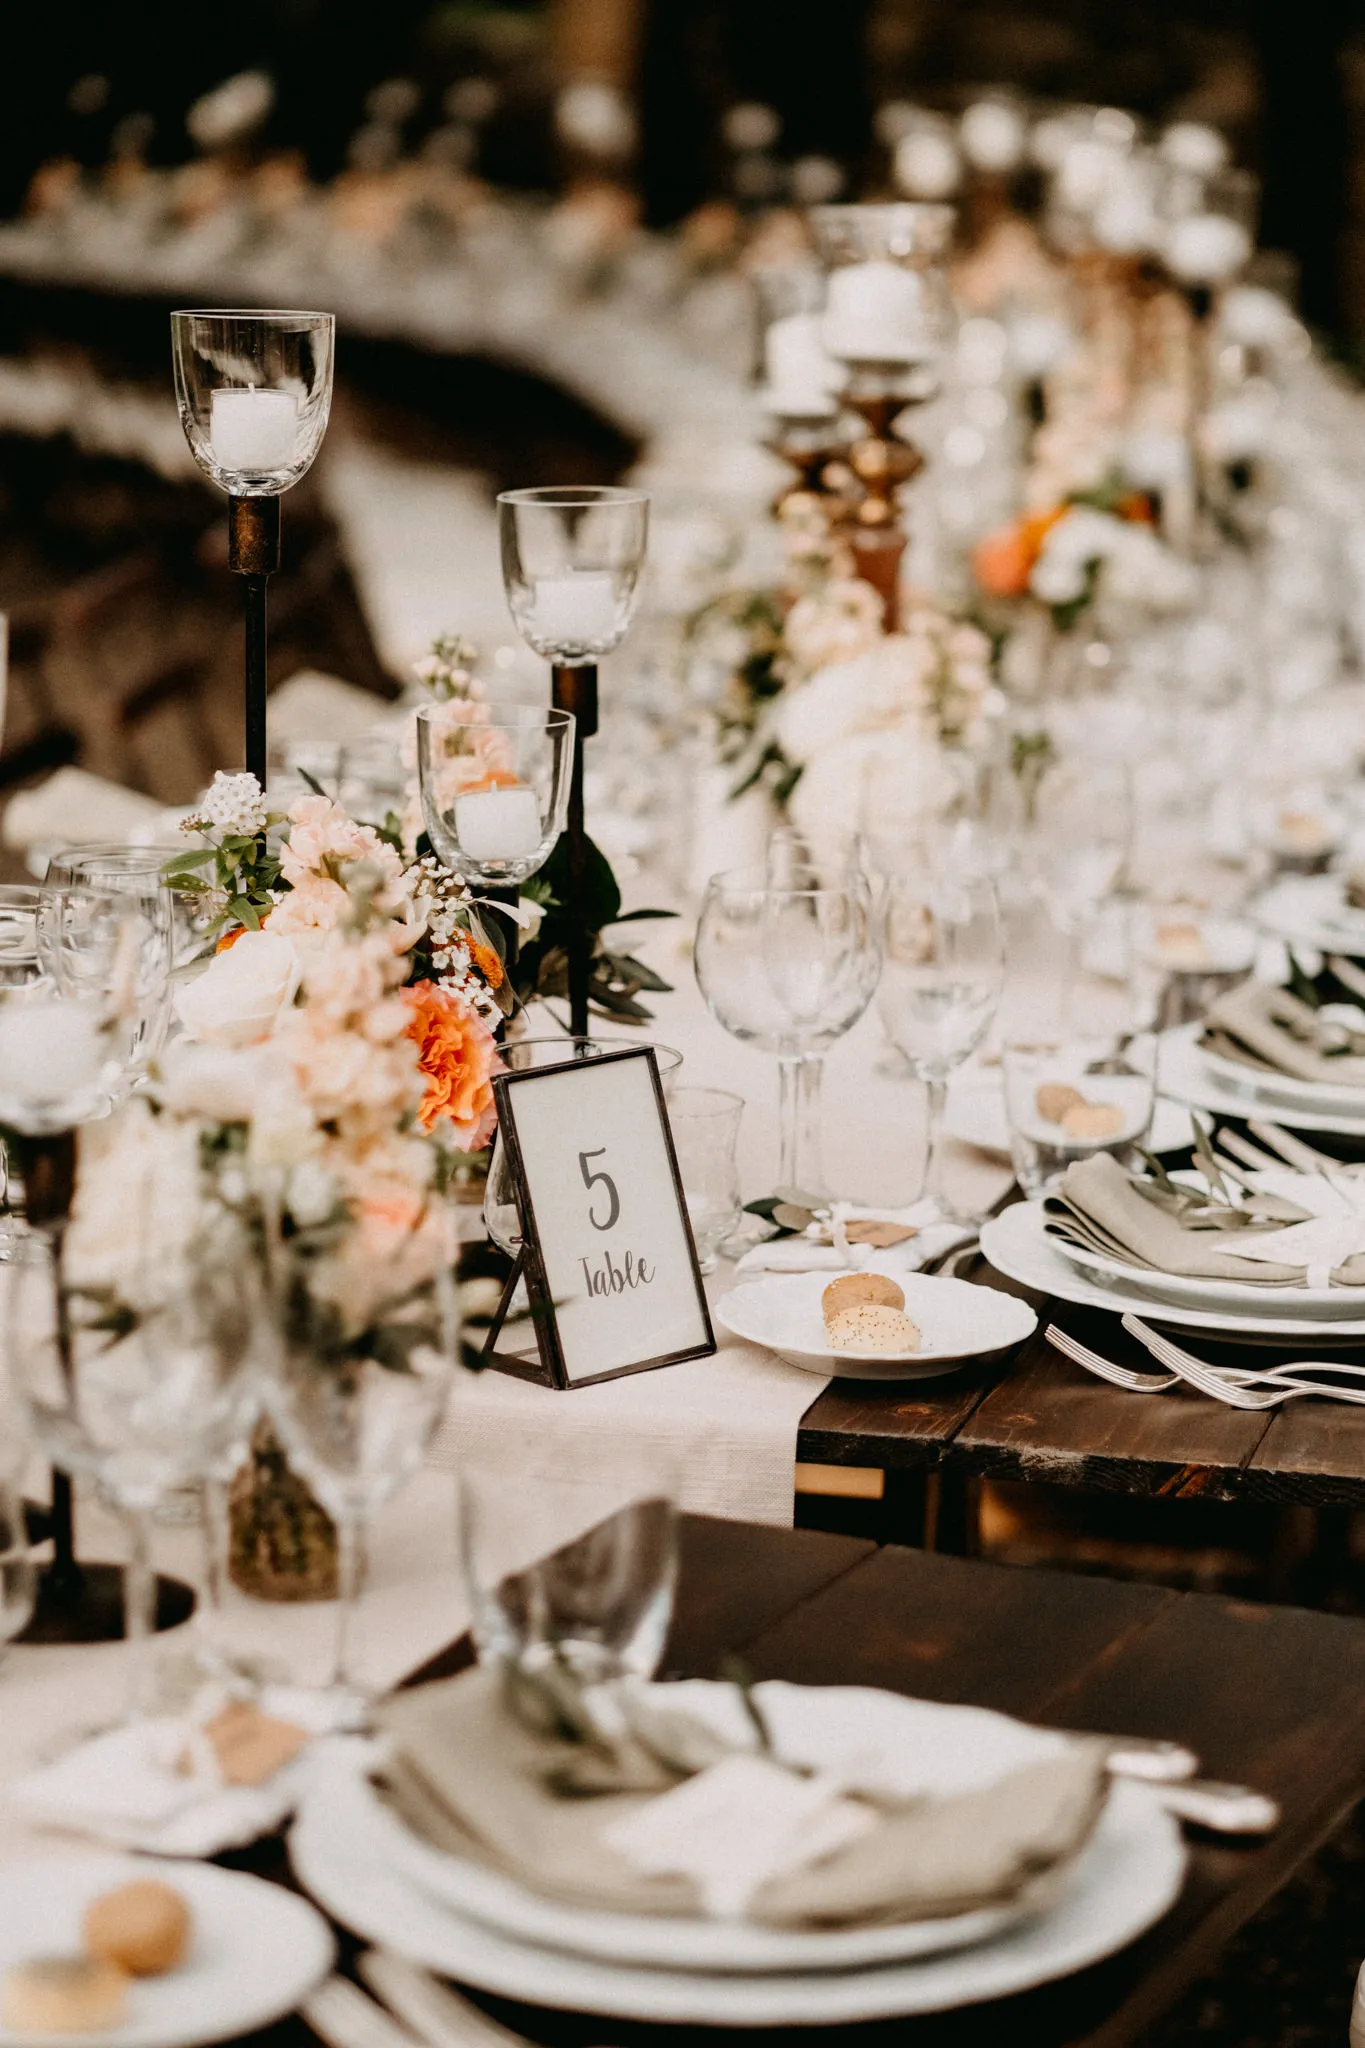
(143, 1927)
(1093, 1120)
(859, 1290)
(872, 1326)
(62, 1995)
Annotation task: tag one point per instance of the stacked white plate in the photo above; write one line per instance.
(1210, 1081)
(1313, 910)
(373, 1874)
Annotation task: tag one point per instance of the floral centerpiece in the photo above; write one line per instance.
(844, 724)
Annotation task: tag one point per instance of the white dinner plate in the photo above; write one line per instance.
(920, 1746)
(1311, 910)
(1335, 1097)
(976, 1116)
(1128, 1875)
(1199, 1292)
(956, 1320)
(256, 1952)
(1017, 1245)
(1187, 1073)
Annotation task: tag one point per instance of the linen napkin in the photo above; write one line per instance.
(824, 1247)
(471, 1778)
(1270, 1029)
(1102, 1208)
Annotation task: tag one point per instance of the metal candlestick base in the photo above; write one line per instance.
(254, 555)
(575, 689)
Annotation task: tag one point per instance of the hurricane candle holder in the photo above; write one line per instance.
(888, 316)
(254, 391)
(495, 793)
(571, 562)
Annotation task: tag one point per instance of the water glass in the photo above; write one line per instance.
(1066, 1102)
(705, 1127)
(569, 1566)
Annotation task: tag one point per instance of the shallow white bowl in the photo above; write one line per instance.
(956, 1320)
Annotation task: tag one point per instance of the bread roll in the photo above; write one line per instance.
(143, 1927)
(1093, 1120)
(871, 1326)
(855, 1290)
(1054, 1099)
(62, 1995)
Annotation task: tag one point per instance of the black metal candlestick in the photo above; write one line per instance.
(254, 555)
(575, 689)
(77, 1603)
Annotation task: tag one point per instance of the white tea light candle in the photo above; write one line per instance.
(498, 824)
(802, 376)
(876, 314)
(253, 430)
(575, 610)
(50, 1052)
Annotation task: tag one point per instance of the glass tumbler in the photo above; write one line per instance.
(1067, 1102)
(705, 1127)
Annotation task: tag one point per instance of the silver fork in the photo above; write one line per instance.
(1105, 1368)
(1268, 1389)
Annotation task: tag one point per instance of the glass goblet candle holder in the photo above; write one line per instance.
(254, 391)
(495, 788)
(571, 562)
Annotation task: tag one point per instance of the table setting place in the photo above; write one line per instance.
(430, 1233)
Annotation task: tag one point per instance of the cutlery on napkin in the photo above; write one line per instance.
(1316, 1238)
(478, 1781)
(1273, 1030)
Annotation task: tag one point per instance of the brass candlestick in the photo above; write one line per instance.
(881, 461)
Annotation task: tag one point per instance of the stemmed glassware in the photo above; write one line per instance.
(365, 1332)
(254, 389)
(1076, 841)
(105, 930)
(943, 971)
(495, 790)
(790, 968)
(111, 1396)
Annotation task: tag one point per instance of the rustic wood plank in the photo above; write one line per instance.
(1051, 1421)
(905, 1425)
(1313, 1453)
(947, 1629)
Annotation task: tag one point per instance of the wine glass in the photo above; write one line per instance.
(790, 969)
(499, 1199)
(106, 1397)
(139, 872)
(364, 1338)
(1077, 838)
(943, 970)
(109, 944)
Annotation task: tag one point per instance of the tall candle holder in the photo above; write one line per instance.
(571, 562)
(495, 793)
(254, 391)
(888, 316)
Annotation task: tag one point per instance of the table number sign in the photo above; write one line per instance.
(609, 1268)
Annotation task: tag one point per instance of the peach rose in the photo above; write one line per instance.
(459, 1056)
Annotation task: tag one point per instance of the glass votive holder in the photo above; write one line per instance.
(705, 1127)
(571, 562)
(495, 787)
(1065, 1102)
(254, 390)
(889, 311)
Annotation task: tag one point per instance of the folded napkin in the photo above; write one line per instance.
(75, 808)
(1270, 1029)
(824, 1248)
(1102, 1208)
(471, 1778)
(152, 1784)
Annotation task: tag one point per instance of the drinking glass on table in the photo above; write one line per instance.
(19, 968)
(110, 942)
(705, 1127)
(18, 1574)
(364, 1337)
(137, 872)
(943, 969)
(1067, 1102)
(789, 968)
(1076, 841)
(571, 1562)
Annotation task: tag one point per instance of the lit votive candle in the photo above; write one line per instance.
(802, 377)
(498, 824)
(875, 314)
(575, 610)
(254, 430)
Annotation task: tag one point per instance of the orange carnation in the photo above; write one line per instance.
(229, 939)
(1003, 561)
(457, 1053)
(486, 959)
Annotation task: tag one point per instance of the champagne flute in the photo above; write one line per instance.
(942, 976)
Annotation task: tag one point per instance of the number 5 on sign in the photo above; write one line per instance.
(610, 1274)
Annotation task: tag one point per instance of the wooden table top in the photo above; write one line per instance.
(1041, 1417)
(1268, 1696)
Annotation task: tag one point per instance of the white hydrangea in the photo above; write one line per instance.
(234, 805)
